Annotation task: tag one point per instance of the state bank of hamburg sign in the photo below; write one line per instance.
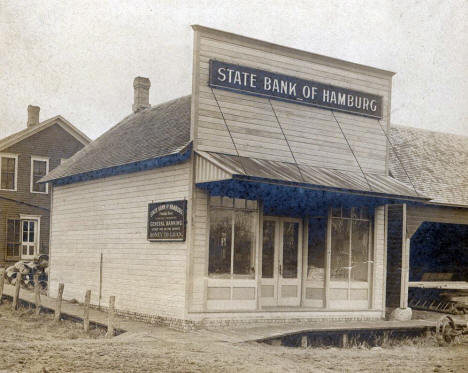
(266, 84)
(166, 221)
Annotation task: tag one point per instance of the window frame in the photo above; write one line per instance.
(31, 183)
(14, 156)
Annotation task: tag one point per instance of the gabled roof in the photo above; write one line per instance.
(148, 134)
(29, 131)
(436, 163)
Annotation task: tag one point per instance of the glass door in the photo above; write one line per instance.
(281, 262)
(290, 263)
(29, 239)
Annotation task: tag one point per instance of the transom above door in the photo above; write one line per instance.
(281, 262)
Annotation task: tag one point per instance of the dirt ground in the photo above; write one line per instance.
(30, 343)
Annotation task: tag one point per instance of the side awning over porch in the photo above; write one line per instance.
(222, 169)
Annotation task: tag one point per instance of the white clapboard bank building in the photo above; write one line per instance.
(264, 195)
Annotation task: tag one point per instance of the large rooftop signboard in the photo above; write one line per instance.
(262, 83)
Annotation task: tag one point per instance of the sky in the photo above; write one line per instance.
(79, 58)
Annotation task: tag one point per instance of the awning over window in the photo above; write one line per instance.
(211, 167)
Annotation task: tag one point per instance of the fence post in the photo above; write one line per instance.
(17, 291)
(58, 304)
(110, 320)
(2, 282)
(37, 293)
(87, 301)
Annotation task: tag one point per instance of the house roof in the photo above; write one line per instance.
(150, 133)
(8, 141)
(436, 163)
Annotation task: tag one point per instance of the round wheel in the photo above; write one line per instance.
(445, 331)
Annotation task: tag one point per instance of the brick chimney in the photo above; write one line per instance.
(33, 115)
(141, 93)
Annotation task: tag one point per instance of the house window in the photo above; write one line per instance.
(350, 251)
(8, 165)
(13, 238)
(39, 168)
(232, 237)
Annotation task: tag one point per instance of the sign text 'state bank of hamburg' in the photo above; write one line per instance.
(263, 83)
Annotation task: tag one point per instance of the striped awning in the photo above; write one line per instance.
(212, 166)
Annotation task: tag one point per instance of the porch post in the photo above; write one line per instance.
(405, 273)
(404, 262)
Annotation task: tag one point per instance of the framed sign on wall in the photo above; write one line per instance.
(167, 221)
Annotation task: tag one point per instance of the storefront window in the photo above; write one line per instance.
(316, 249)
(349, 245)
(359, 250)
(232, 237)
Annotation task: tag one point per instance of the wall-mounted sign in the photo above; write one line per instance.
(266, 84)
(166, 221)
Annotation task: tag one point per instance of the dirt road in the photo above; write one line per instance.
(30, 343)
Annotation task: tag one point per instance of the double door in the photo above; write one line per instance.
(281, 262)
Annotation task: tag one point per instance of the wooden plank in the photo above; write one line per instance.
(2, 282)
(58, 303)
(86, 305)
(453, 285)
(37, 294)
(110, 318)
(14, 305)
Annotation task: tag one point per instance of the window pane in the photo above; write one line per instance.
(25, 250)
(340, 231)
(39, 171)
(8, 173)
(251, 205)
(17, 231)
(228, 202)
(268, 249)
(360, 250)
(239, 203)
(244, 243)
(10, 230)
(220, 242)
(215, 201)
(317, 249)
(290, 249)
(25, 231)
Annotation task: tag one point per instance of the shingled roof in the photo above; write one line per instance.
(436, 163)
(148, 134)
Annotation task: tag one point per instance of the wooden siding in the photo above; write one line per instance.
(199, 249)
(437, 214)
(238, 124)
(109, 216)
(54, 143)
